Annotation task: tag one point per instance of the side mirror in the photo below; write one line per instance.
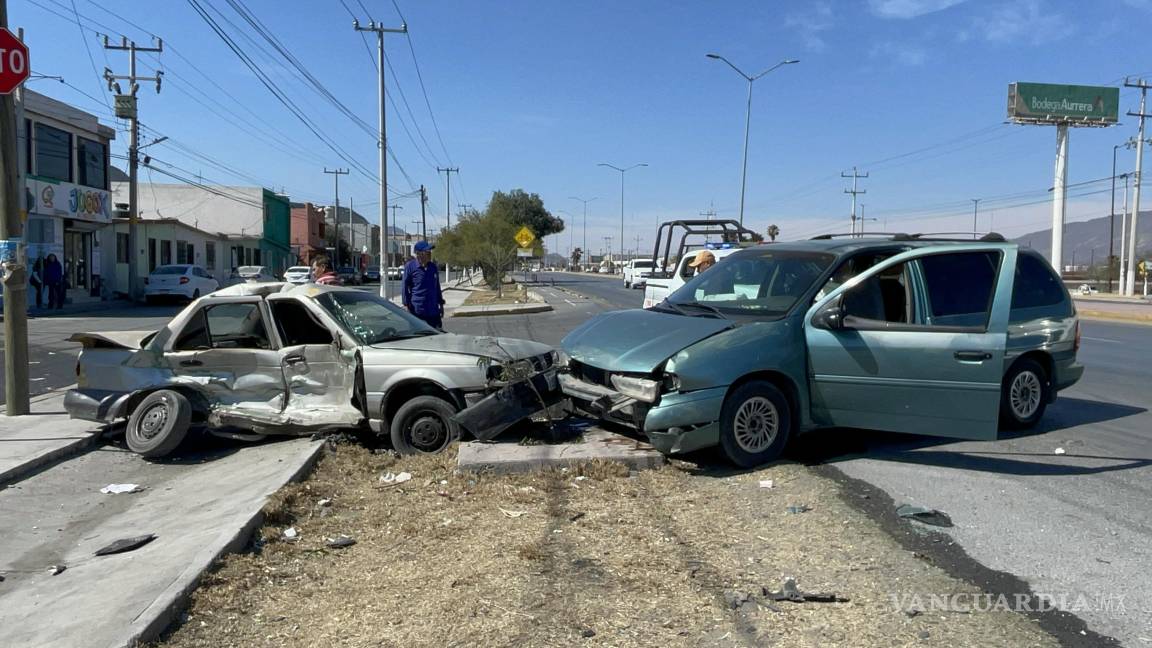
(831, 316)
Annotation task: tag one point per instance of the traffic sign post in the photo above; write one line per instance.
(14, 70)
(525, 237)
(14, 67)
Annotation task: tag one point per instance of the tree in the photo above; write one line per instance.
(577, 254)
(773, 232)
(523, 209)
(481, 240)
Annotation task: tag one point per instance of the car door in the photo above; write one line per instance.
(319, 374)
(915, 344)
(225, 350)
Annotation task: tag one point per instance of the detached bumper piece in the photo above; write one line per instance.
(98, 405)
(604, 402)
(510, 405)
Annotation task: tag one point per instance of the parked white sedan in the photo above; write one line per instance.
(297, 274)
(187, 281)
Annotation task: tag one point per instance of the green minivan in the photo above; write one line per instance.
(902, 333)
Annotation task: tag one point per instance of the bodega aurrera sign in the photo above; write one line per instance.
(1054, 103)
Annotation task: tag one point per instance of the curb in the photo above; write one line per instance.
(172, 602)
(516, 309)
(1112, 316)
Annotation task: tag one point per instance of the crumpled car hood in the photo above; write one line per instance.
(637, 340)
(475, 345)
(114, 339)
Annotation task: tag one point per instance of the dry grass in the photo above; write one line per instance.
(550, 558)
(512, 294)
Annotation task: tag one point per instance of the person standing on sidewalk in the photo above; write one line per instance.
(54, 280)
(36, 280)
(421, 286)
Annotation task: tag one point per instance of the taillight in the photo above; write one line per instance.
(183, 280)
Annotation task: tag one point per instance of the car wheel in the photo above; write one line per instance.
(196, 294)
(1024, 394)
(424, 425)
(159, 423)
(627, 284)
(755, 424)
(149, 299)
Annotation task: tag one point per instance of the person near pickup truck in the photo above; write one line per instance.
(421, 286)
(704, 260)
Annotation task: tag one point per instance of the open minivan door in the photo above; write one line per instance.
(915, 344)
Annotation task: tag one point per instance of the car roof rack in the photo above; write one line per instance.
(990, 237)
(895, 236)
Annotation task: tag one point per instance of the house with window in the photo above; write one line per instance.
(253, 224)
(64, 154)
(167, 241)
(309, 231)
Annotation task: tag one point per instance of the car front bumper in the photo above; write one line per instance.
(487, 417)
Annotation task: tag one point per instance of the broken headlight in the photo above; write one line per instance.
(642, 389)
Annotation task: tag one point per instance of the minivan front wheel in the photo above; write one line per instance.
(755, 424)
(1024, 394)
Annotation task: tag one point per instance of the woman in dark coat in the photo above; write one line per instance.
(54, 279)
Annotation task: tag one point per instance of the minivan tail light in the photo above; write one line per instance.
(183, 280)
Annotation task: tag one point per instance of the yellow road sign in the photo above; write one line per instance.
(525, 237)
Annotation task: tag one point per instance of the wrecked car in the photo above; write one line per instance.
(902, 334)
(255, 360)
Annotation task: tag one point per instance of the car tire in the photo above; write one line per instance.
(755, 424)
(1024, 395)
(424, 425)
(158, 424)
(195, 294)
(627, 284)
(149, 300)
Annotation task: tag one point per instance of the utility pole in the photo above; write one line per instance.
(380, 30)
(584, 249)
(126, 107)
(352, 235)
(1124, 232)
(855, 175)
(975, 207)
(394, 208)
(336, 173)
(1129, 286)
(423, 213)
(448, 171)
(13, 272)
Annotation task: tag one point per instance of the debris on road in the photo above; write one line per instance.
(512, 514)
(766, 483)
(116, 489)
(124, 545)
(924, 515)
(800, 508)
(1060, 451)
(789, 591)
(290, 533)
(340, 541)
(393, 479)
(54, 570)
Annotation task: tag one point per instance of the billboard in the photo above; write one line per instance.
(1054, 103)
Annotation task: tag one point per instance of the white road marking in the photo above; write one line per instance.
(569, 302)
(1096, 339)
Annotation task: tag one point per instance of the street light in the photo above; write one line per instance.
(584, 250)
(611, 166)
(975, 208)
(748, 118)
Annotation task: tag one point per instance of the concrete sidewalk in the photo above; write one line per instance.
(200, 505)
(30, 442)
(1119, 309)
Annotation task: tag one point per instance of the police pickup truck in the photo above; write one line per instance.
(664, 280)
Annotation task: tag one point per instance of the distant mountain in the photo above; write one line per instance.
(1081, 238)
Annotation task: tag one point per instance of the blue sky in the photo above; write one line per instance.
(533, 94)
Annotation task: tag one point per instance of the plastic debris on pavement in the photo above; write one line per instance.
(924, 515)
(512, 514)
(766, 483)
(124, 545)
(290, 533)
(1060, 451)
(116, 489)
(56, 569)
(395, 478)
(790, 591)
(340, 541)
(800, 508)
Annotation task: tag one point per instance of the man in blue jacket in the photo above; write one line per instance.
(422, 295)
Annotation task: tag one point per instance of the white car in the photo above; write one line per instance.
(1086, 289)
(180, 280)
(297, 274)
(255, 274)
(395, 273)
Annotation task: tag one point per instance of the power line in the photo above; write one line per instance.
(423, 89)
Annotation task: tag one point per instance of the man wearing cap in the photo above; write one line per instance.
(704, 260)
(422, 295)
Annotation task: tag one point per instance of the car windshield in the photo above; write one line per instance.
(759, 283)
(371, 319)
(170, 270)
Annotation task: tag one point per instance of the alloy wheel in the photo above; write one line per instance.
(756, 424)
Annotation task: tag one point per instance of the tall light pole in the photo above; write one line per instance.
(748, 118)
(585, 248)
(622, 171)
(975, 210)
(382, 144)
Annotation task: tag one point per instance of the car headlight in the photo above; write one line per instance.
(642, 389)
(560, 359)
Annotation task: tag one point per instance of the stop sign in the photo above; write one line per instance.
(14, 66)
